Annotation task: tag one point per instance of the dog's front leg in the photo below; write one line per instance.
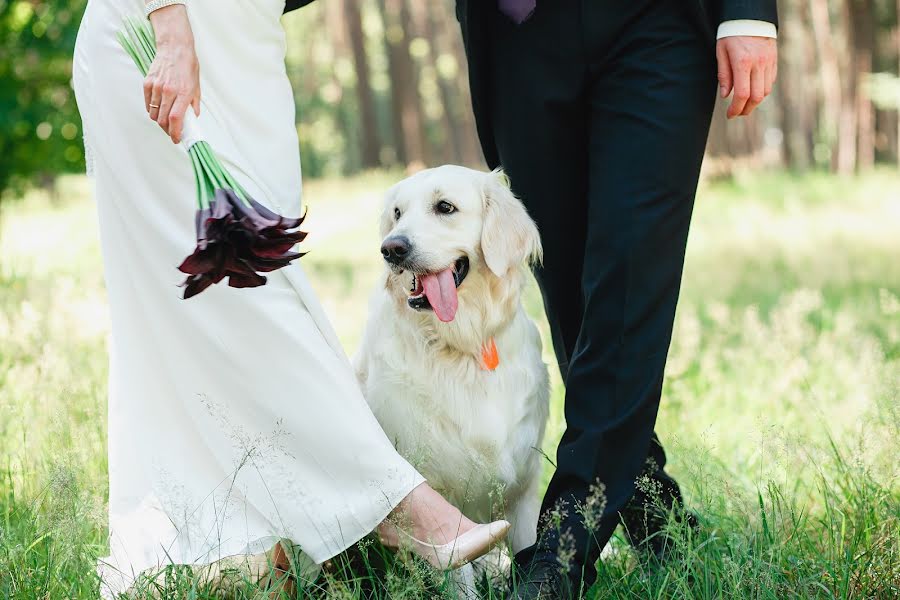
(524, 512)
(464, 580)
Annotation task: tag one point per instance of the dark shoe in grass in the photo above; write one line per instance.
(543, 580)
(655, 534)
(656, 518)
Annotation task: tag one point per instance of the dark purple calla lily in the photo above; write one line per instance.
(239, 241)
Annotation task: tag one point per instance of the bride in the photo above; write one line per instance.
(236, 426)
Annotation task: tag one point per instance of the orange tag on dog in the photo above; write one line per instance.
(490, 360)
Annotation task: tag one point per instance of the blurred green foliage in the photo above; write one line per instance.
(41, 128)
(346, 88)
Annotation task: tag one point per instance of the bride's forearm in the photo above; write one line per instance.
(172, 27)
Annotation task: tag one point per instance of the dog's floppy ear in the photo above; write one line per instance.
(509, 236)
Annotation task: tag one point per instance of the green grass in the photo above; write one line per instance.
(781, 411)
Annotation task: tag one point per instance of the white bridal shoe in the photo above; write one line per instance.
(459, 551)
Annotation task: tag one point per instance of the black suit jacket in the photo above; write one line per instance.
(473, 16)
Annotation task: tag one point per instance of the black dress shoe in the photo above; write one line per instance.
(649, 531)
(541, 580)
(656, 509)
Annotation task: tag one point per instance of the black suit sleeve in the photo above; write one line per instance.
(758, 10)
(295, 4)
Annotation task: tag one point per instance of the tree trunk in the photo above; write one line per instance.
(432, 18)
(471, 147)
(847, 121)
(829, 72)
(794, 101)
(408, 123)
(365, 99)
(337, 34)
(863, 27)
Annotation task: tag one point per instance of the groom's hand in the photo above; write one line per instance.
(748, 65)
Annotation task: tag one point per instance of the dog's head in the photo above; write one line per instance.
(452, 234)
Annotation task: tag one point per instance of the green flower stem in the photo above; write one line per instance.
(147, 36)
(208, 168)
(202, 193)
(224, 177)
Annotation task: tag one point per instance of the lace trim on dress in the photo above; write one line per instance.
(88, 156)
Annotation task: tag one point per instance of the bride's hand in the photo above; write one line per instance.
(173, 81)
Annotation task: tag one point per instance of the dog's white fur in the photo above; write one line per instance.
(474, 434)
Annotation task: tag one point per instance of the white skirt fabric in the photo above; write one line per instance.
(235, 419)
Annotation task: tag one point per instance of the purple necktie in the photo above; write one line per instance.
(517, 10)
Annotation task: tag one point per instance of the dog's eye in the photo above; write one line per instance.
(445, 208)
(397, 214)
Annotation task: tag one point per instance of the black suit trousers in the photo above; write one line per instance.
(600, 113)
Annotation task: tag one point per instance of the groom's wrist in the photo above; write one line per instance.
(746, 27)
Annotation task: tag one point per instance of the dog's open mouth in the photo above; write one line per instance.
(437, 291)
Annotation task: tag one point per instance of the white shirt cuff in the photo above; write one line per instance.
(747, 27)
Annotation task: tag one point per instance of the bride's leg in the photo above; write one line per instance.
(425, 515)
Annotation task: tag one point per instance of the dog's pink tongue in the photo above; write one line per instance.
(440, 289)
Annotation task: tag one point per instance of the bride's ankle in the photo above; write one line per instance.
(388, 533)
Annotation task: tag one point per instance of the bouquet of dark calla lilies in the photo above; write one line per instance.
(237, 237)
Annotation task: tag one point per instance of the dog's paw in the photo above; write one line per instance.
(495, 566)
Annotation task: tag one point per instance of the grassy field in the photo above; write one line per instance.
(781, 411)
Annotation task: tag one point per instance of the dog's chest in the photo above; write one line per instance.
(464, 429)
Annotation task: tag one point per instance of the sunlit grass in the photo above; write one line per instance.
(781, 411)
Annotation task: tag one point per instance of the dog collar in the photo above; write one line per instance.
(490, 359)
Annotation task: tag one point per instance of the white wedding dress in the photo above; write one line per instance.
(235, 419)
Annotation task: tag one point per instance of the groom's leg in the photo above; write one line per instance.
(541, 119)
(652, 86)
(540, 115)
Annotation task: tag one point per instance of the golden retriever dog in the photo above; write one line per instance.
(450, 363)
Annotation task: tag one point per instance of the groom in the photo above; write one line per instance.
(598, 111)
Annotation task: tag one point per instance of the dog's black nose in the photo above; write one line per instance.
(395, 249)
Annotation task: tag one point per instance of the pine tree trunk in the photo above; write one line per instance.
(863, 51)
(471, 147)
(337, 34)
(433, 17)
(829, 72)
(365, 99)
(409, 129)
(795, 102)
(847, 122)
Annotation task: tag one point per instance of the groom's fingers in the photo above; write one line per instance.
(757, 90)
(740, 70)
(724, 72)
(771, 74)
